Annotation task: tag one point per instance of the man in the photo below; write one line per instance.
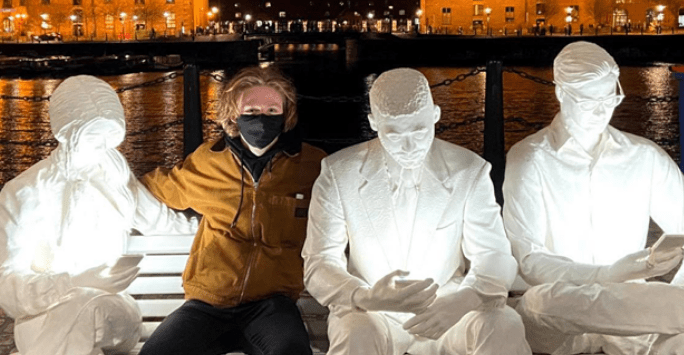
(252, 188)
(64, 220)
(578, 197)
(413, 211)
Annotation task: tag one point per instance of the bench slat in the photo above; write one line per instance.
(159, 308)
(163, 264)
(160, 244)
(156, 285)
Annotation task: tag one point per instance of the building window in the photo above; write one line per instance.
(78, 2)
(510, 14)
(573, 11)
(140, 2)
(7, 4)
(681, 17)
(281, 14)
(170, 1)
(109, 22)
(446, 16)
(402, 12)
(268, 4)
(541, 8)
(7, 24)
(171, 21)
(478, 9)
(22, 2)
(238, 14)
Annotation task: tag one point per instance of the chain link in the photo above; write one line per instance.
(25, 98)
(168, 77)
(217, 77)
(528, 76)
(334, 99)
(459, 77)
(660, 99)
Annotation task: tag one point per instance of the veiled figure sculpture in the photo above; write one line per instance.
(65, 220)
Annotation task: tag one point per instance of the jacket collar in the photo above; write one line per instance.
(560, 137)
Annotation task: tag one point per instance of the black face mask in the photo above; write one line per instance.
(260, 130)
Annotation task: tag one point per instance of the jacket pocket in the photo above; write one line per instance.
(288, 218)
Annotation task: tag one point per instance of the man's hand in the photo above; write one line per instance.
(389, 294)
(100, 278)
(639, 266)
(442, 314)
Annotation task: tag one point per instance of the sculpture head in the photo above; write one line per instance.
(404, 115)
(587, 87)
(259, 104)
(86, 116)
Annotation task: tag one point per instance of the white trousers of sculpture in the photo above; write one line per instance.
(618, 319)
(89, 321)
(497, 331)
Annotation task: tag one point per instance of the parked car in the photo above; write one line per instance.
(47, 37)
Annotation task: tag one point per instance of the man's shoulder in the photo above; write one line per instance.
(350, 155)
(457, 155)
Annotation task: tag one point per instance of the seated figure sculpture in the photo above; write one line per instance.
(65, 219)
(413, 211)
(578, 196)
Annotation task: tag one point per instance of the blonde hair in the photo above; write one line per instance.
(229, 108)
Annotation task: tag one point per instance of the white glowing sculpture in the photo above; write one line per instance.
(411, 209)
(65, 219)
(578, 196)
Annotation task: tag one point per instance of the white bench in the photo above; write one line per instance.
(158, 289)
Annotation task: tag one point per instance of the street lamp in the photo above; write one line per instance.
(73, 26)
(122, 16)
(660, 17)
(488, 11)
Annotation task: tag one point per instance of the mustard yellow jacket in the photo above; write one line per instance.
(249, 241)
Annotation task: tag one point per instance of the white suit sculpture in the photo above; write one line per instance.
(412, 210)
(578, 196)
(64, 219)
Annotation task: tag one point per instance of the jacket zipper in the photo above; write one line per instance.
(254, 244)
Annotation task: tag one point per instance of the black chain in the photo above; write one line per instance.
(528, 76)
(157, 128)
(168, 77)
(332, 99)
(460, 77)
(157, 81)
(218, 77)
(660, 99)
(25, 98)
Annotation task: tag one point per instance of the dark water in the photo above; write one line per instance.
(154, 114)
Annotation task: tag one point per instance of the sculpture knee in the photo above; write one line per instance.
(359, 330)
(490, 331)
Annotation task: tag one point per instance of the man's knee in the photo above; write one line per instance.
(359, 328)
(487, 332)
(503, 322)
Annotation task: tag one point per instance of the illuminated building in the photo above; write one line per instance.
(446, 16)
(102, 19)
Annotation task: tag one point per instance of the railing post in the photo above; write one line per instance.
(192, 122)
(678, 72)
(494, 126)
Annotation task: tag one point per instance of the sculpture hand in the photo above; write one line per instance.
(387, 295)
(636, 266)
(98, 277)
(442, 314)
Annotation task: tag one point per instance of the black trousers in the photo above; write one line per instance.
(268, 327)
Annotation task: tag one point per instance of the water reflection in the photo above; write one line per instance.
(154, 114)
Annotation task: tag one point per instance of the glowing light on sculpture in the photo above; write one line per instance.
(578, 198)
(411, 209)
(65, 219)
